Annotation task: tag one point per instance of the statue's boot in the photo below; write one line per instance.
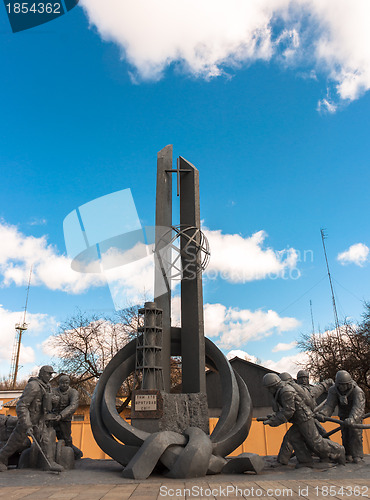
(339, 456)
(286, 450)
(77, 452)
(54, 467)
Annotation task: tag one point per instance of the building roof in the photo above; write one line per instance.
(260, 367)
(251, 373)
(10, 394)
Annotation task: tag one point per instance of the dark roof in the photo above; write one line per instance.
(11, 403)
(261, 367)
(251, 373)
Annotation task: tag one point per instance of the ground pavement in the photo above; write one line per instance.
(101, 479)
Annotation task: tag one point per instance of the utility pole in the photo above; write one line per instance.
(20, 328)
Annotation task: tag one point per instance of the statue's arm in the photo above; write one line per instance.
(287, 404)
(72, 407)
(321, 387)
(358, 407)
(331, 403)
(23, 404)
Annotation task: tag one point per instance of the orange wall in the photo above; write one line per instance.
(262, 439)
(266, 440)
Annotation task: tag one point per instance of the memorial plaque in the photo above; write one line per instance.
(147, 403)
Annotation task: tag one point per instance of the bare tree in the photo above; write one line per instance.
(6, 384)
(348, 349)
(84, 345)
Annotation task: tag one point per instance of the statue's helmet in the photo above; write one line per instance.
(271, 380)
(303, 373)
(46, 369)
(285, 377)
(343, 377)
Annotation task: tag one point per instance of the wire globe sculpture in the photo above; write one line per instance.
(185, 251)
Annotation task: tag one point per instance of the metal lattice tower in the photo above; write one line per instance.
(20, 328)
(149, 348)
(336, 320)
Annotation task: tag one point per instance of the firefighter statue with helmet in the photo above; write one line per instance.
(350, 400)
(289, 406)
(32, 409)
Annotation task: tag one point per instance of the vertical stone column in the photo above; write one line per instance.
(163, 221)
(192, 322)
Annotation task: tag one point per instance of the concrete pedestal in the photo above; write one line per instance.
(180, 411)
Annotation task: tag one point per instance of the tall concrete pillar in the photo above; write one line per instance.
(163, 220)
(192, 322)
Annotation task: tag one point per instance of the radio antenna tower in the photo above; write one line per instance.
(313, 324)
(19, 328)
(336, 321)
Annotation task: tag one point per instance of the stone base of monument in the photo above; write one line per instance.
(245, 462)
(170, 431)
(169, 412)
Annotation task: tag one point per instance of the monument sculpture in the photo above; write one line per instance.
(289, 406)
(35, 419)
(31, 409)
(65, 403)
(309, 394)
(350, 400)
(7, 426)
(167, 429)
(313, 392)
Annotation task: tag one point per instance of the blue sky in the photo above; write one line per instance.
(278, 129)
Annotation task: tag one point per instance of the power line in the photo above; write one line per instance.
(301, 296)
(349, 291)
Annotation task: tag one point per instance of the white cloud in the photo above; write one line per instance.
(51, 269)
(326, 105)
(201, 36)
(242, 355)
(238, 260)
(284, 347)
(233, 327)
(36, 324)
(205, 38)
(234, 258)
(291, 364)
(132, 283)
(38, 221)
(356, 254)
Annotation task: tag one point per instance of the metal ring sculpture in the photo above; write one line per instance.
(192, 237)
(121, 441)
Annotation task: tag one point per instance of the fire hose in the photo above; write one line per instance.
(335, 421)
(343, 423)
